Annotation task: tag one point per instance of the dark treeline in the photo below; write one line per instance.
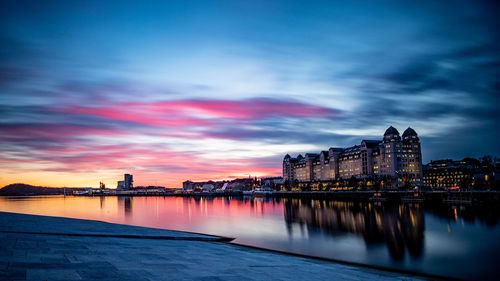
(21, 189)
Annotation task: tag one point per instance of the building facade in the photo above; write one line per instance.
(126, 183)
(395, 158)
(236, 184)
(468, 173)
(129, 181)
(446, 174)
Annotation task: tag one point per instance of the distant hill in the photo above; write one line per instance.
(21, 189)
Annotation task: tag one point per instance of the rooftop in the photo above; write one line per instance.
(391, 131)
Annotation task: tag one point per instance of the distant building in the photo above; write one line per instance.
(208, 187)
(395, 158)
(467, 173)
(236, 184)
(188, 185)
(225, 186)
(271, 181)
(442, 174)
(242, 184)
(127, 183)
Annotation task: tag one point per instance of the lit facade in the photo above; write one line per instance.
(443, 174)
(395, 157)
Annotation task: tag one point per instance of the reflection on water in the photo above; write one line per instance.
(488, 215)
(456, 241)
(125, 204)
(399, 227)
(101, 201)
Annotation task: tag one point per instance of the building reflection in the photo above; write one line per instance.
(102, 200)
(487, 214)
(400, 227)
(125, 203)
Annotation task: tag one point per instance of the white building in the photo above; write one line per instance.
(208, 187)
(399, 160)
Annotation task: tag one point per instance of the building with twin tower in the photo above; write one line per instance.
(396, 159)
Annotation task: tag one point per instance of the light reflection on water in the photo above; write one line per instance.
(455, 241)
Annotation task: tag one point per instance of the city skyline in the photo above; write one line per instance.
(169, 91)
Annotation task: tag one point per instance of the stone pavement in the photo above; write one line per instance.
(72, 249)
(21, 223)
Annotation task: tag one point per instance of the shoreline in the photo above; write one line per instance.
(386, 196)
(447, 197)
(332, 260)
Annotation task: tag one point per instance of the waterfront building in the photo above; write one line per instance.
(443, 174)
(236, 184)
(188, 185)
(208, 187)
(127, 183)
(120, 185)
(468, 173)
(202, 185)
(271, 181)
(394, 158)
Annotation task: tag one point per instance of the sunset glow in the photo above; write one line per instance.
(91, 90)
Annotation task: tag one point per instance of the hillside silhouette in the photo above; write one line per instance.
(21, 189)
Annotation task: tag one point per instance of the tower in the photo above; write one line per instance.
(128, 181)
(412, 157)
(390, 156)
(287, 175)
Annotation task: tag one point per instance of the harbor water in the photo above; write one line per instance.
(460, 241)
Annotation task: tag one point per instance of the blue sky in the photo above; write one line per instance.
(237, 84)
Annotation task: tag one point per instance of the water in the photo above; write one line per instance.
(446, 240)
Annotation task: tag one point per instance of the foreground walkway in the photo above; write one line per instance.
(50, 248)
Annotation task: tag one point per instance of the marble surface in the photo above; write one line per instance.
(68, 250)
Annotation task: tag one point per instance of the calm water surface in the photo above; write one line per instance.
(447, 240)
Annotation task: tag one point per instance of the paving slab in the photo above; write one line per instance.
(30, 224)
(68, 257)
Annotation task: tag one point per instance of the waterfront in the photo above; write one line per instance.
(455, 241)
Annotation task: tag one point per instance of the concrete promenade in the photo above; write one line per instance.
(51, 248)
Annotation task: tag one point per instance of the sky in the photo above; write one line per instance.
(199, 90)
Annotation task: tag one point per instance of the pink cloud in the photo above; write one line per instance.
(72, 148)
(255, 108)
(205, 113)
(141, 114)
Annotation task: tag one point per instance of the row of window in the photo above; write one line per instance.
(445, 177)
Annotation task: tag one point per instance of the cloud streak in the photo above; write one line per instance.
(202, 112)
(154, 139)
(226, 90)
